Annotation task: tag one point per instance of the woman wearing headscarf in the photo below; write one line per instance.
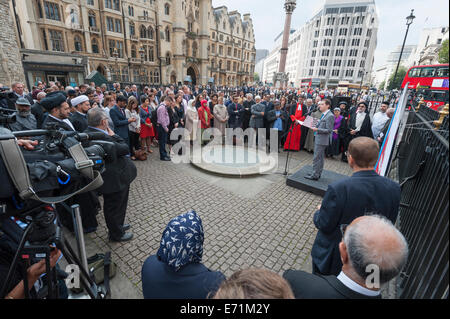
(192, 121)
(221, 116)
(176, 271)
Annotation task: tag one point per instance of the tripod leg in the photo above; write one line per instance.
(71, 258)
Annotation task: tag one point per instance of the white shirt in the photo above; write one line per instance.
(359, 120)
(356, 287)
(67, 121)
(379, 119)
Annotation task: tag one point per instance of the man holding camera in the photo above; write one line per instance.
(117, 178)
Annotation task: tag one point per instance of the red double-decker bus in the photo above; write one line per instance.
(430, 81)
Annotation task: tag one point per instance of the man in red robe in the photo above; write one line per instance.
(293, 139)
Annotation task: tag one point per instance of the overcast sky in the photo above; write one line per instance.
(268, 19)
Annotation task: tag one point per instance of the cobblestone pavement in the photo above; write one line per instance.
(248, 222)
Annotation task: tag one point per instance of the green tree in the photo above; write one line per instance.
(399, 79)
(256, 77)
(382, 84)
(443, 53)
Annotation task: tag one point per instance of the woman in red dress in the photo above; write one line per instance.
(293, 139)
(147, 131)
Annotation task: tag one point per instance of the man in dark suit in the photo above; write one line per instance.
(365, 192)
(78, 119)
(373, 252)
(235, 111)
(38, 111)
(117, 178)
(119, 119)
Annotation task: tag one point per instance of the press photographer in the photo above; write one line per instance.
(117, 178)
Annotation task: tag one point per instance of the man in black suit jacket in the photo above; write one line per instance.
(373, 252)
(116, 179)
(78, 119)
(365, 192)
(58, 112)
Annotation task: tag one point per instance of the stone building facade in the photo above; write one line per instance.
(149, 42)
(10, 63)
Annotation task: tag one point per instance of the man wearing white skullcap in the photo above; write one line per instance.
(82, 105)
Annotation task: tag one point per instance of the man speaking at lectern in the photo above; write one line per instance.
(322, 137)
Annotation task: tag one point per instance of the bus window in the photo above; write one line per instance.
(414, 73)
(438, 96)
(442, 72)
(427, 72)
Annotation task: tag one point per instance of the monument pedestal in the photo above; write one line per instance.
(298, 180)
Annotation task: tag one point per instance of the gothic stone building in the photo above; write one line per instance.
(149, 42)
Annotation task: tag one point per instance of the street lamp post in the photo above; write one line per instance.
(409, 21)
(116, 55)
(141, 71)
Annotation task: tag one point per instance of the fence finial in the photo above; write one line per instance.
(443, 114)
(421, 102)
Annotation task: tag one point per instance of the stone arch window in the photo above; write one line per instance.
(167, 9)
(224, 25)
(143, 32)
(213, 35)
(78, 43)
(167, 34)
(95, 46)
(150, 33)
(92, 19)
(168, 59)
(133, 51)
(194, 49)
(156, 77)
(132, 29)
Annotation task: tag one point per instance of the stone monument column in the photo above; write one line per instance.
(281, 78)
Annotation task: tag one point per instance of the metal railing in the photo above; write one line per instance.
(422, 165)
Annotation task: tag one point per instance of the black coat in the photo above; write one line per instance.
(39, 114)
(366, 127)
(309, 286)
(120, 173)
(247, 113)
(11, 99)
(50, 122)
(79, 122)
(365, 192)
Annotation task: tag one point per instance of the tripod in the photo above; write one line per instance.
(25, 250)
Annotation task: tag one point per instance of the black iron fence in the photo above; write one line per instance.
(422, 165)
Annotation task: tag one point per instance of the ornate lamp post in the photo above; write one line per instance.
(116, 55)
(409, 21)
(141, 71)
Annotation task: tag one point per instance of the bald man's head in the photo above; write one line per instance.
(374, 240)
(364, 152)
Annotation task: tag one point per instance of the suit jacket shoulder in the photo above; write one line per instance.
(309, 286)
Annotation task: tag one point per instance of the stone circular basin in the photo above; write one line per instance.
(235, 160)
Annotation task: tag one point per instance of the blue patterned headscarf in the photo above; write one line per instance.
(182, 241)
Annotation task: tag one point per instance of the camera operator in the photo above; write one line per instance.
(117, 178)
(16, 290)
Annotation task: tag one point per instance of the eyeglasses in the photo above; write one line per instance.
(343, 227)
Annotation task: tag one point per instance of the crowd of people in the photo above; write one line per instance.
(355, 221)
(136, 116)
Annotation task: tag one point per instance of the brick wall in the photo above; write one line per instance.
(11, 68)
